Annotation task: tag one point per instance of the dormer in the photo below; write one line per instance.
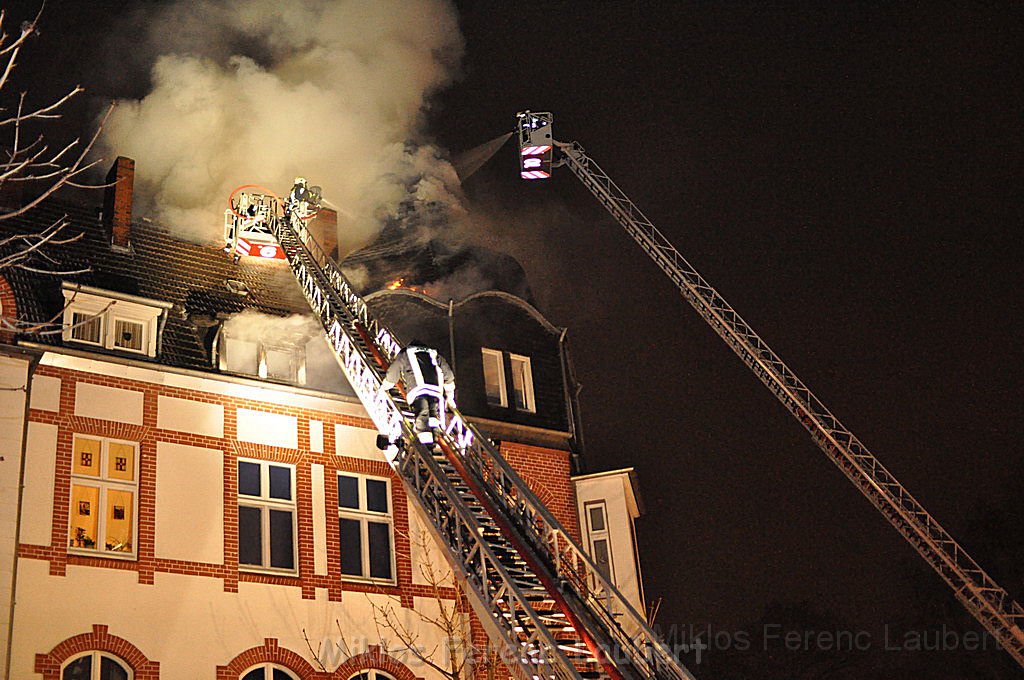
(110, 320)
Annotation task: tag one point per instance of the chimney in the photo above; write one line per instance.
(117, 203)
(324, 228)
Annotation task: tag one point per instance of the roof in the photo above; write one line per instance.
(158, 267)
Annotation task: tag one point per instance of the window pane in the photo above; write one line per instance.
(250, 538)
(254, 674)
(121, 462)
(351, 547)
(281, 553)
(494, 380)
(602, 558)
(242, 356)
(128, 334)
(86, 327)
(376, 495)
(120, 513)
(248, 478)
(596, 518)
(281, 675)
(348, 492)
(522, 383)
(84, 516)
(379, 536)
(79, 669)
(112, 670)
(279, 363)
(280, 482)
(86, 457)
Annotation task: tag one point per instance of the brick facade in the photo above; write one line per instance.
(8, 308)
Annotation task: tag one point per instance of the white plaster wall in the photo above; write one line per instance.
(108, 403)
(316, 436)
(187, 415)
(356, 442)
(189, 503)
(273, 429)
(319, 519)
(611, 489)
(272, 394)
(13, 376)
(37, 499)
(189, 624)
(45, 393)
(425, 551)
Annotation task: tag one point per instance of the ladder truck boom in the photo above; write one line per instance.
(980, 595)
(540, 597)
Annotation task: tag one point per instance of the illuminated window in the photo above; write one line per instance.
(600, 543)
(268, 671)
(365, 527)
(130, 335)
(522, 383)
(87, 327)
(96, 666)
(494, 377)
(104, 490)
(266, 515)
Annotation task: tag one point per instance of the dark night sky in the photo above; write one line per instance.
(848, 178)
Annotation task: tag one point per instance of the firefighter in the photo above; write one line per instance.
(428, 379)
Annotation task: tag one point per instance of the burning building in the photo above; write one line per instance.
(191, 488)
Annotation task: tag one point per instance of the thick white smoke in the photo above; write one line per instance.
(262, 91)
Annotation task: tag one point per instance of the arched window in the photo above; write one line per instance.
(269, 671)
(96, 666)
(371, 674)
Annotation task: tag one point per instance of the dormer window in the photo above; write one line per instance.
(283, 362)
(496, 384)
(111, 320)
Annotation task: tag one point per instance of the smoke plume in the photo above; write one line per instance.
(259, 91)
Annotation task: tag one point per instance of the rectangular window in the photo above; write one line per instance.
(365, 527)
(104, 496)
(597, 530)
(266, 515)
(522, 383)
(129, 335)
(494, 377)
(87, 327)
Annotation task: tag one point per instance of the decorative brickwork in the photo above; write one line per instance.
(99, 640)
(373, 657)
(270, 652)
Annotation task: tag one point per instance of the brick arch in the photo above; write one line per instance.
(99, 640)
(8, 307)
(374, 658)
(269, 652)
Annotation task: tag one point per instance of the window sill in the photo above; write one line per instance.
(366, 581)
(267, 571)
(103, 554)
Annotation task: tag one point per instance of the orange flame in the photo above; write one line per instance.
(400, 283)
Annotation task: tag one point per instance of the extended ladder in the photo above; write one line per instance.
(983, 597)
(542, 600)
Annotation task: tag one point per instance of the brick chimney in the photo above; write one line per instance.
(324, 228)
(117, 203)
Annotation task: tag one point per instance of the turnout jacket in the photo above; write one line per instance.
(423, 371)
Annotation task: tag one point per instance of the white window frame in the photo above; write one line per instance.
(600, 535)
(372, 674)
(97, 656)
(531, 403)
(265, 503)
(364, 516)
(502, 388)
(110, 307)
(268, 667)
(104, 484)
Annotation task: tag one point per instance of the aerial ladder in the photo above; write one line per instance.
(980, 595)
(542, 600)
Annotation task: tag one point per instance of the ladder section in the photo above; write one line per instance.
(503, 592)
(615, 634)
(983, 597)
